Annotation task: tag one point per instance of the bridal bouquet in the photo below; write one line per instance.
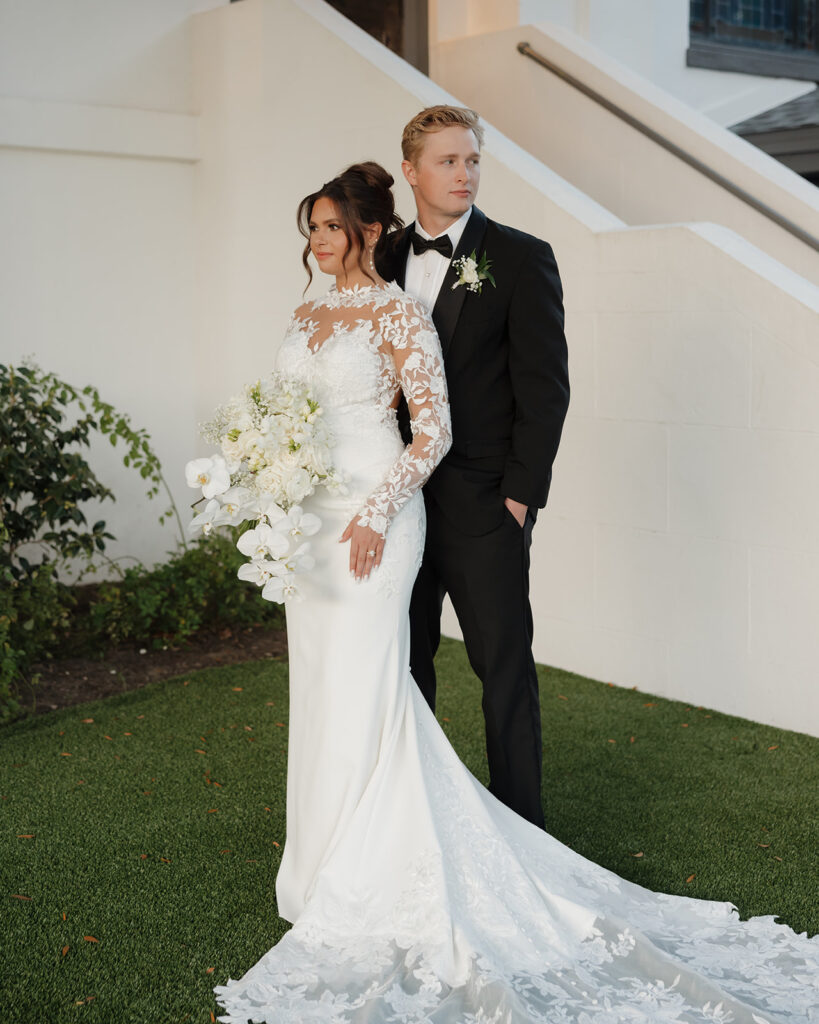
(275, 450)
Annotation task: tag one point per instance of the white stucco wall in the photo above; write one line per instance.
(121, 53)
(680, 546)
(97, 268)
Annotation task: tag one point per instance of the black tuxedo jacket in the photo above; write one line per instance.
(507, 372)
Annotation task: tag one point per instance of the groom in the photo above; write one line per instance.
(506, 368)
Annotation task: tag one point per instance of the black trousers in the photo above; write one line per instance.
(487, 579)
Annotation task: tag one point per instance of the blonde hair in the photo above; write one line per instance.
(433, 119)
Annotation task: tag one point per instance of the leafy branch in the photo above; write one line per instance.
(46, 477)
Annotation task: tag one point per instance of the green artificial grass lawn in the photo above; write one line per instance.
(157, 822)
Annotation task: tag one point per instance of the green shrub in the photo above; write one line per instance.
(12, 668)
(195, 588)
(34, 617)
(44, 425)
(39, 607)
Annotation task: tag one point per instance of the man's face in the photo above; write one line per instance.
(445, 175)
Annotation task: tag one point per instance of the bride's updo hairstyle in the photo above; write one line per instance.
(362, 195)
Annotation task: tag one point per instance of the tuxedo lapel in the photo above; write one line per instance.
(450, 300)
(401, 254)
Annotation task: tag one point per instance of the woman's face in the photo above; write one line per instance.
(328, 243)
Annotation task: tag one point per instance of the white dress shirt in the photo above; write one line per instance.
(425, 273)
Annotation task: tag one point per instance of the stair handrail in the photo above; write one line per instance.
(736, 190)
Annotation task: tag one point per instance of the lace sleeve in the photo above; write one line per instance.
(412, 342)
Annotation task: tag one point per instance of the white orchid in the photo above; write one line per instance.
(236, 505)
(299, 523)
(266, 509)
(206, 519)
(280, 588)
(211, 474)
(301, 560)
(263, 542)
(258, 572)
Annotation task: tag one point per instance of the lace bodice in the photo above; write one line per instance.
(360, 348)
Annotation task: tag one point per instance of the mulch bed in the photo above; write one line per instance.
(69, 681)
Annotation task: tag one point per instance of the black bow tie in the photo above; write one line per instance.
(443, 245)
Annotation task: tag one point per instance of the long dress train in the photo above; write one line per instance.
(415, 895)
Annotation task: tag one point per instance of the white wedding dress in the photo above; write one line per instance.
(415, 895)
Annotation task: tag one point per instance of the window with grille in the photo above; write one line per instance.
(775, 37)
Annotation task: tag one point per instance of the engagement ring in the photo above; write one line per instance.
(371, 554)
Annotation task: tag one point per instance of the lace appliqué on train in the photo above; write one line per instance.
(499, 922)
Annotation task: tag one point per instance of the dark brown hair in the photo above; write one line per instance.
(362, 195)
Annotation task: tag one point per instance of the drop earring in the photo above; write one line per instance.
(372, 263)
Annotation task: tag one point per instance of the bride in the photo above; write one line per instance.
(416, 896)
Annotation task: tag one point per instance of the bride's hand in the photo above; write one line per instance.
(366, 549)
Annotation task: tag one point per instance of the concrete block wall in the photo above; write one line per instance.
(681, 538)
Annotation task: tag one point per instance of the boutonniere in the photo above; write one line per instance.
(472, 272)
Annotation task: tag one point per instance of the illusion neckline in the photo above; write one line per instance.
(361, 289)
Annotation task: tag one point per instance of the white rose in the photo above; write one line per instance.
(285, 399)
(232, 449)
(316, 457)
(270, 480)
(297, 485)
(300, 433)
(248, 442)
(273, 430)
(470, 274)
